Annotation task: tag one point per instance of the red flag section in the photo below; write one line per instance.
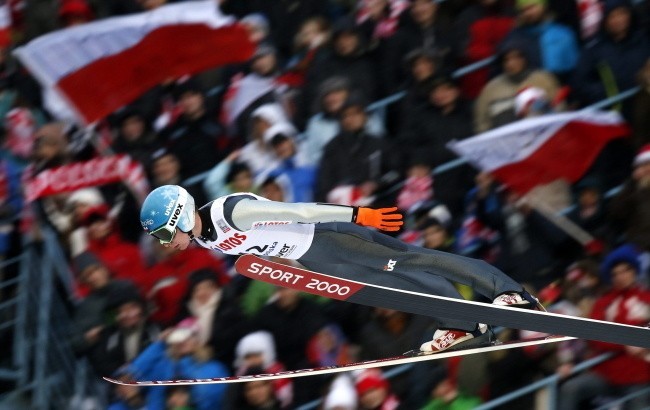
(540, 150)
(96, 68)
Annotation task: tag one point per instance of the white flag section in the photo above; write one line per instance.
(102, 66)
(542, 149)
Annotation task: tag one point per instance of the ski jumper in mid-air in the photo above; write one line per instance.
(327, 238)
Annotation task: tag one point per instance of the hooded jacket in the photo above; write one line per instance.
(607, 66)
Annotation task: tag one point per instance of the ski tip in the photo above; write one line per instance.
(114, 381)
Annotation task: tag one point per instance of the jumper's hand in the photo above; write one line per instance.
(386, 219)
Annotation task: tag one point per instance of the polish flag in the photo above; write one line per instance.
(5, 25)
(101, 66)
(539, 150)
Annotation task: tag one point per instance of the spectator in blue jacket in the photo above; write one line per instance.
(178, 355)
(555, 45)
(609, 64)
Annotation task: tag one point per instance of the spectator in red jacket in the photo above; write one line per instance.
(122, 258)
(629, 370)
(170, 275)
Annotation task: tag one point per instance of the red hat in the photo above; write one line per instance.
(370, 379)
(642, 156)
(94, 213)
(75, 8)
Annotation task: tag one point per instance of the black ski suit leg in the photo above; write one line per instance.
(355, 247)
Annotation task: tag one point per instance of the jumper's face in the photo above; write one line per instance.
(180, 241)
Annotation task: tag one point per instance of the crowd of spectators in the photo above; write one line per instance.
(301, 132)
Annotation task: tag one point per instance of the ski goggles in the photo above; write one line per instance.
(164, 234)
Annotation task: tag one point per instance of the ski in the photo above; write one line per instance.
(391, 361)
(369, 294)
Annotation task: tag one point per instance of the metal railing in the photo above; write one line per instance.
(44, 370)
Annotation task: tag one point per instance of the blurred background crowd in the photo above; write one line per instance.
(297, 123)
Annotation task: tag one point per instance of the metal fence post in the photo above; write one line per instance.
(21, 347)
(40, 362)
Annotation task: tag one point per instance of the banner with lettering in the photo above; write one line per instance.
(95, 172)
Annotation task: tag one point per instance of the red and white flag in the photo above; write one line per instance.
(101, 66)
(539, 150)
(5, 25)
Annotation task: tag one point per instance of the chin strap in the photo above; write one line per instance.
(191, 236)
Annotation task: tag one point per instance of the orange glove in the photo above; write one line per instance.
(385, 219)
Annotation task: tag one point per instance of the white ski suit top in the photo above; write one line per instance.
(245, 223)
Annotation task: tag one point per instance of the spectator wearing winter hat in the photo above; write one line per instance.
(135, 136)
(609, 65)
(229, 176)
(323, 126)
(495, 105)
(120, 342)
(310, 44)
(90, 315)
(257, 351)
(421, 29)
(630, 208)
(256, 154)
(294, 164)
(347, 59)
(479, 29)
(219, 319)
(553, 46)
(195, 138)
(628, 371)
(354, 158)
(446, 116)
(179, 354)
(341, 395)
(122, 258)
(257, 26)
(421, 65)
(75, 12)
(286, 19)
(374, 391)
